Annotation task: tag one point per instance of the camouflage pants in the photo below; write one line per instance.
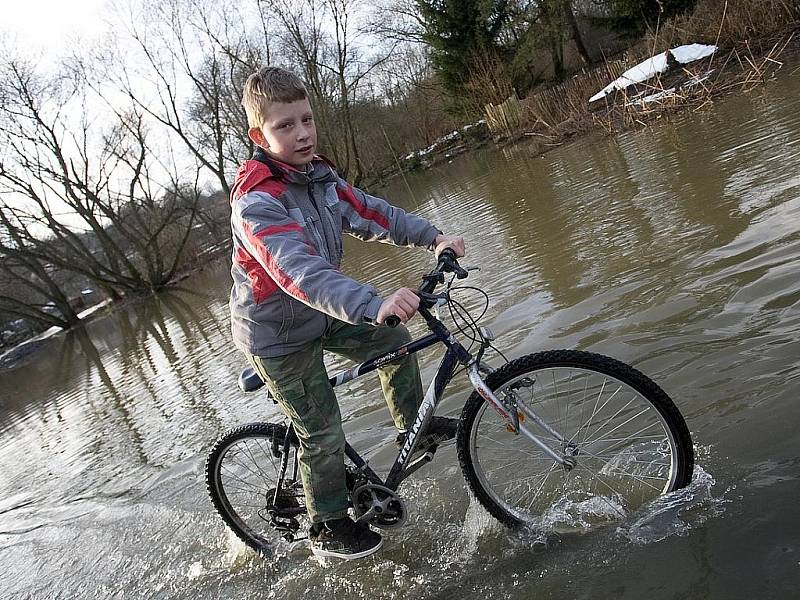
(300, 384)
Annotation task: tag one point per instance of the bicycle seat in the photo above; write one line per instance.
(249, 381)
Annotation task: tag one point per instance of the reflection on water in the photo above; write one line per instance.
(674, 248)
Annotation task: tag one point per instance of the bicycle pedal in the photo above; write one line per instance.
(289, 525)
(420, 461)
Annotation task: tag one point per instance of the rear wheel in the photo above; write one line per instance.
(242, 472)
(623, 439)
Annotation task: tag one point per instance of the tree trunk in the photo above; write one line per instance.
(575, 32)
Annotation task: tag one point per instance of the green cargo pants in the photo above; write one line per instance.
(299, 382)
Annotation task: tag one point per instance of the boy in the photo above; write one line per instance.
(290, 302)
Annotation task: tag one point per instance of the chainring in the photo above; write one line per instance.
(378, 505)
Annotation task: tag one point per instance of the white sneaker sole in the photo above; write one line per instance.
(333, 554)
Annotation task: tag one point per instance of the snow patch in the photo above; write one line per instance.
(445, 139)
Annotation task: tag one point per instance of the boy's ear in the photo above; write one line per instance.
(257, 136)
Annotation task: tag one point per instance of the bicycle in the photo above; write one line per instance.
(579, 430)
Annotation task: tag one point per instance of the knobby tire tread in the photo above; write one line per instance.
(570, 358)
(249, 430)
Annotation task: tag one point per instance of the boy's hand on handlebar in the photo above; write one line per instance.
(456, 242)
(403, 303)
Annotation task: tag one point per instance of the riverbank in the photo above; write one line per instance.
(17, 353)
(552, 116)
(561, 113)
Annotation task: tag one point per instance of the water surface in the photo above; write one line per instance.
(675, 248)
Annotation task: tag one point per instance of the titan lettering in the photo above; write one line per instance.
(430, 398)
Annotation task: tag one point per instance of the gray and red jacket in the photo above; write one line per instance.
(287, 247)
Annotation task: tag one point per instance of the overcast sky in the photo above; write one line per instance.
(49, 25)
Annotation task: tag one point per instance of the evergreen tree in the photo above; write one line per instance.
(458, 31)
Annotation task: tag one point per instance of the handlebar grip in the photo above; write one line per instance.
(447, 255)
(460, 273)
(392, 321)
(448, 262)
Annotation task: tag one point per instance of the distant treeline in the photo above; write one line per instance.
(117, 161)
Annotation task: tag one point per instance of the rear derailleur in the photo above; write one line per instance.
(280, 515)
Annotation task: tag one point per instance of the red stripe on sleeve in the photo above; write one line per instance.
(272, 229)
(268, 261)
(369, 214)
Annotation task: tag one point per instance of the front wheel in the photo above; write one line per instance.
(622, 439)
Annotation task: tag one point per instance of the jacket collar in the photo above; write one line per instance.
(317, 170)
(262, 167)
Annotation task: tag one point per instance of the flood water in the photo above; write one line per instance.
(676, 249)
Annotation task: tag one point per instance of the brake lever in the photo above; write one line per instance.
(448, 258)
(437, 308)
(432, 299)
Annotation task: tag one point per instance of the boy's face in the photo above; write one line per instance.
(288, 132)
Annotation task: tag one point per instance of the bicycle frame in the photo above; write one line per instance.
(521, 392)
(456, 354)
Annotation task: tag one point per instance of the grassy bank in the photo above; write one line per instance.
(752, 39)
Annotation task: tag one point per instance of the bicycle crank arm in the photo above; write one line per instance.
(418, 463)
(367, 516)
(511, 415)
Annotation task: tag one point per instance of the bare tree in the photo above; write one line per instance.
(409, 87)
(397, 20)
(336, 60)
(351, 67)
(89, 196)
(192, 58)
(29, 290)
(304, 46)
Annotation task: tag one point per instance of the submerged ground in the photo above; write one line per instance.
(675, 249)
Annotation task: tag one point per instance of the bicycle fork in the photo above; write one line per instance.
(511, 412)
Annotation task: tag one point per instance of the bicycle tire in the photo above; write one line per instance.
(239, 508)
(582, 495)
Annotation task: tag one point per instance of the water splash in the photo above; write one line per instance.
(677, 512)
(196, 570)
(238, 553)
(671, 514)
(568, 515)
(477, 523)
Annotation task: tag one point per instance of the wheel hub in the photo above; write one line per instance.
(570, 452)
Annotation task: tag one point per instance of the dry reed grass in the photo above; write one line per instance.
(753, 34)
(728, 23)
(696, 85)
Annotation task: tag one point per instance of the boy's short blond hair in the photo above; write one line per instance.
(268, 85)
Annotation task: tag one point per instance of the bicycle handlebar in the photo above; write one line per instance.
(447, 263)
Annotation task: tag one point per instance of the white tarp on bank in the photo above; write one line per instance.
(655, 65)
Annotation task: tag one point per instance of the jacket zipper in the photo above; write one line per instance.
(323, 247)
(323, 243)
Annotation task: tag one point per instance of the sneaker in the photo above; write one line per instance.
(440, 430)
(343, 538)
